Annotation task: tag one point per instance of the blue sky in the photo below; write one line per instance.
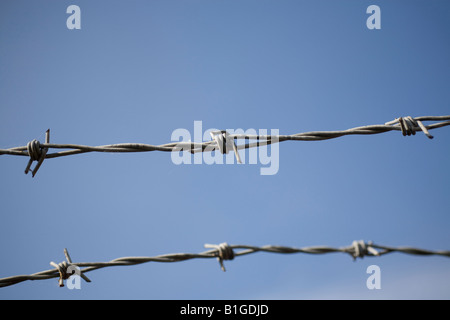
(138, 70)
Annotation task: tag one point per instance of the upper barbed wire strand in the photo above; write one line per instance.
(407, 125)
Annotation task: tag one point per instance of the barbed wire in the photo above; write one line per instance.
(223, 251)
(221, 140)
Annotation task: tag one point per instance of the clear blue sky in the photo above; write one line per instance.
(138, 70)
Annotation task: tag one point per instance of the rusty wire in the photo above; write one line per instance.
(223, 251)
(37, 151)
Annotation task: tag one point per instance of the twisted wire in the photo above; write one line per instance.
(223, 251)
(37, 151)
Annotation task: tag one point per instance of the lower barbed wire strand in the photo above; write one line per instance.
(358, 249)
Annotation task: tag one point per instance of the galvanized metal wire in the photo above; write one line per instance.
(37, 151)
(223, 251)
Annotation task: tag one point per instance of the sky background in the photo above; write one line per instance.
(138, 70)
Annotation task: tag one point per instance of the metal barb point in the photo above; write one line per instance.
(62, 269)
(225, 143)
(409, 126)
(37, 152)
(224, 252)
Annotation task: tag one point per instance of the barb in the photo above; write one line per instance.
(223, 141)
(64, 268)
(223, 251)
(36, 152)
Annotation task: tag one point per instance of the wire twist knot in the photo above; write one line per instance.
(37, 153)
(225, 143)
(66, 269)
(62, 269)
(360, 249)
(409, 126)
(224, 252)
(34, 150)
